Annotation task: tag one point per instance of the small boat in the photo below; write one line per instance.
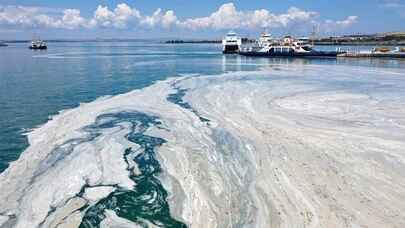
(286, 47)
(3, 44)
(388, 50)
(231, 43)
(38, 45)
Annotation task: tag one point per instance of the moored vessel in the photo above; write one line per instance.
(286, 47)
(38, 45)
(231, 43)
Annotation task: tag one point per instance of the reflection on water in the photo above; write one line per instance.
(231, 63)
(381, 62)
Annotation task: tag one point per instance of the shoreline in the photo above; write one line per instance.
(391, 44)
(244, 41)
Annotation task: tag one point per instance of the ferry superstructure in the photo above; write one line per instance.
(265, 39)
(231, 43)
(304, 42)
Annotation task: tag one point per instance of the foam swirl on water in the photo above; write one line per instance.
(288, 146)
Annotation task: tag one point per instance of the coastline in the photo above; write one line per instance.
(320, 43)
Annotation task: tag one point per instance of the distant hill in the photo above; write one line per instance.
(244, 40)
(388, 38)
(400, 34)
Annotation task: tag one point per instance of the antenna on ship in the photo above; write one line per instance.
(35, 36)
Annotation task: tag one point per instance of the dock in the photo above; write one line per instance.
(373, 55)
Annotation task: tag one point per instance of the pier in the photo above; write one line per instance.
(373, 55)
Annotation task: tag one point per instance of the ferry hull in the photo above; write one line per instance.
(38, 48)
(312, 54)
(374, 55)
(231, 49)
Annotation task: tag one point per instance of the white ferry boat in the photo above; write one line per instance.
(286, 47)
(38, 44)
(231, 43)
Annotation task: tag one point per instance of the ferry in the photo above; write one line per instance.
(286, 47)
(38, 45)
(231, 43)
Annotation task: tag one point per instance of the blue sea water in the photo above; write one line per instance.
(35, 85)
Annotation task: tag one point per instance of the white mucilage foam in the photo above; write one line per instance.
(288, 146)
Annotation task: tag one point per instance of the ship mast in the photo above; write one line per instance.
(313, 34)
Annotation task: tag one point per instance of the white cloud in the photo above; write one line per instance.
(123, 16)
(228, 17)
(225, 17)
(103, 16)
(15, 15)
(395, 5)
(330, 25)
(160, 19)
(169, 19)
(349, 21)
(37, 16)
(71, 19)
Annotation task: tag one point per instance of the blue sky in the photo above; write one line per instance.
(19, 19)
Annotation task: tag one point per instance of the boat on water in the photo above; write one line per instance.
(38, 45)
(3, 44)
(231, 43)
(285, 47)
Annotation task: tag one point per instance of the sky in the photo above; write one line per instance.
(81, 19)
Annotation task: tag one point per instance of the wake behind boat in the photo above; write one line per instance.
(286, 47)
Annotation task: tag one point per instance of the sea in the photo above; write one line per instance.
(35, 85)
